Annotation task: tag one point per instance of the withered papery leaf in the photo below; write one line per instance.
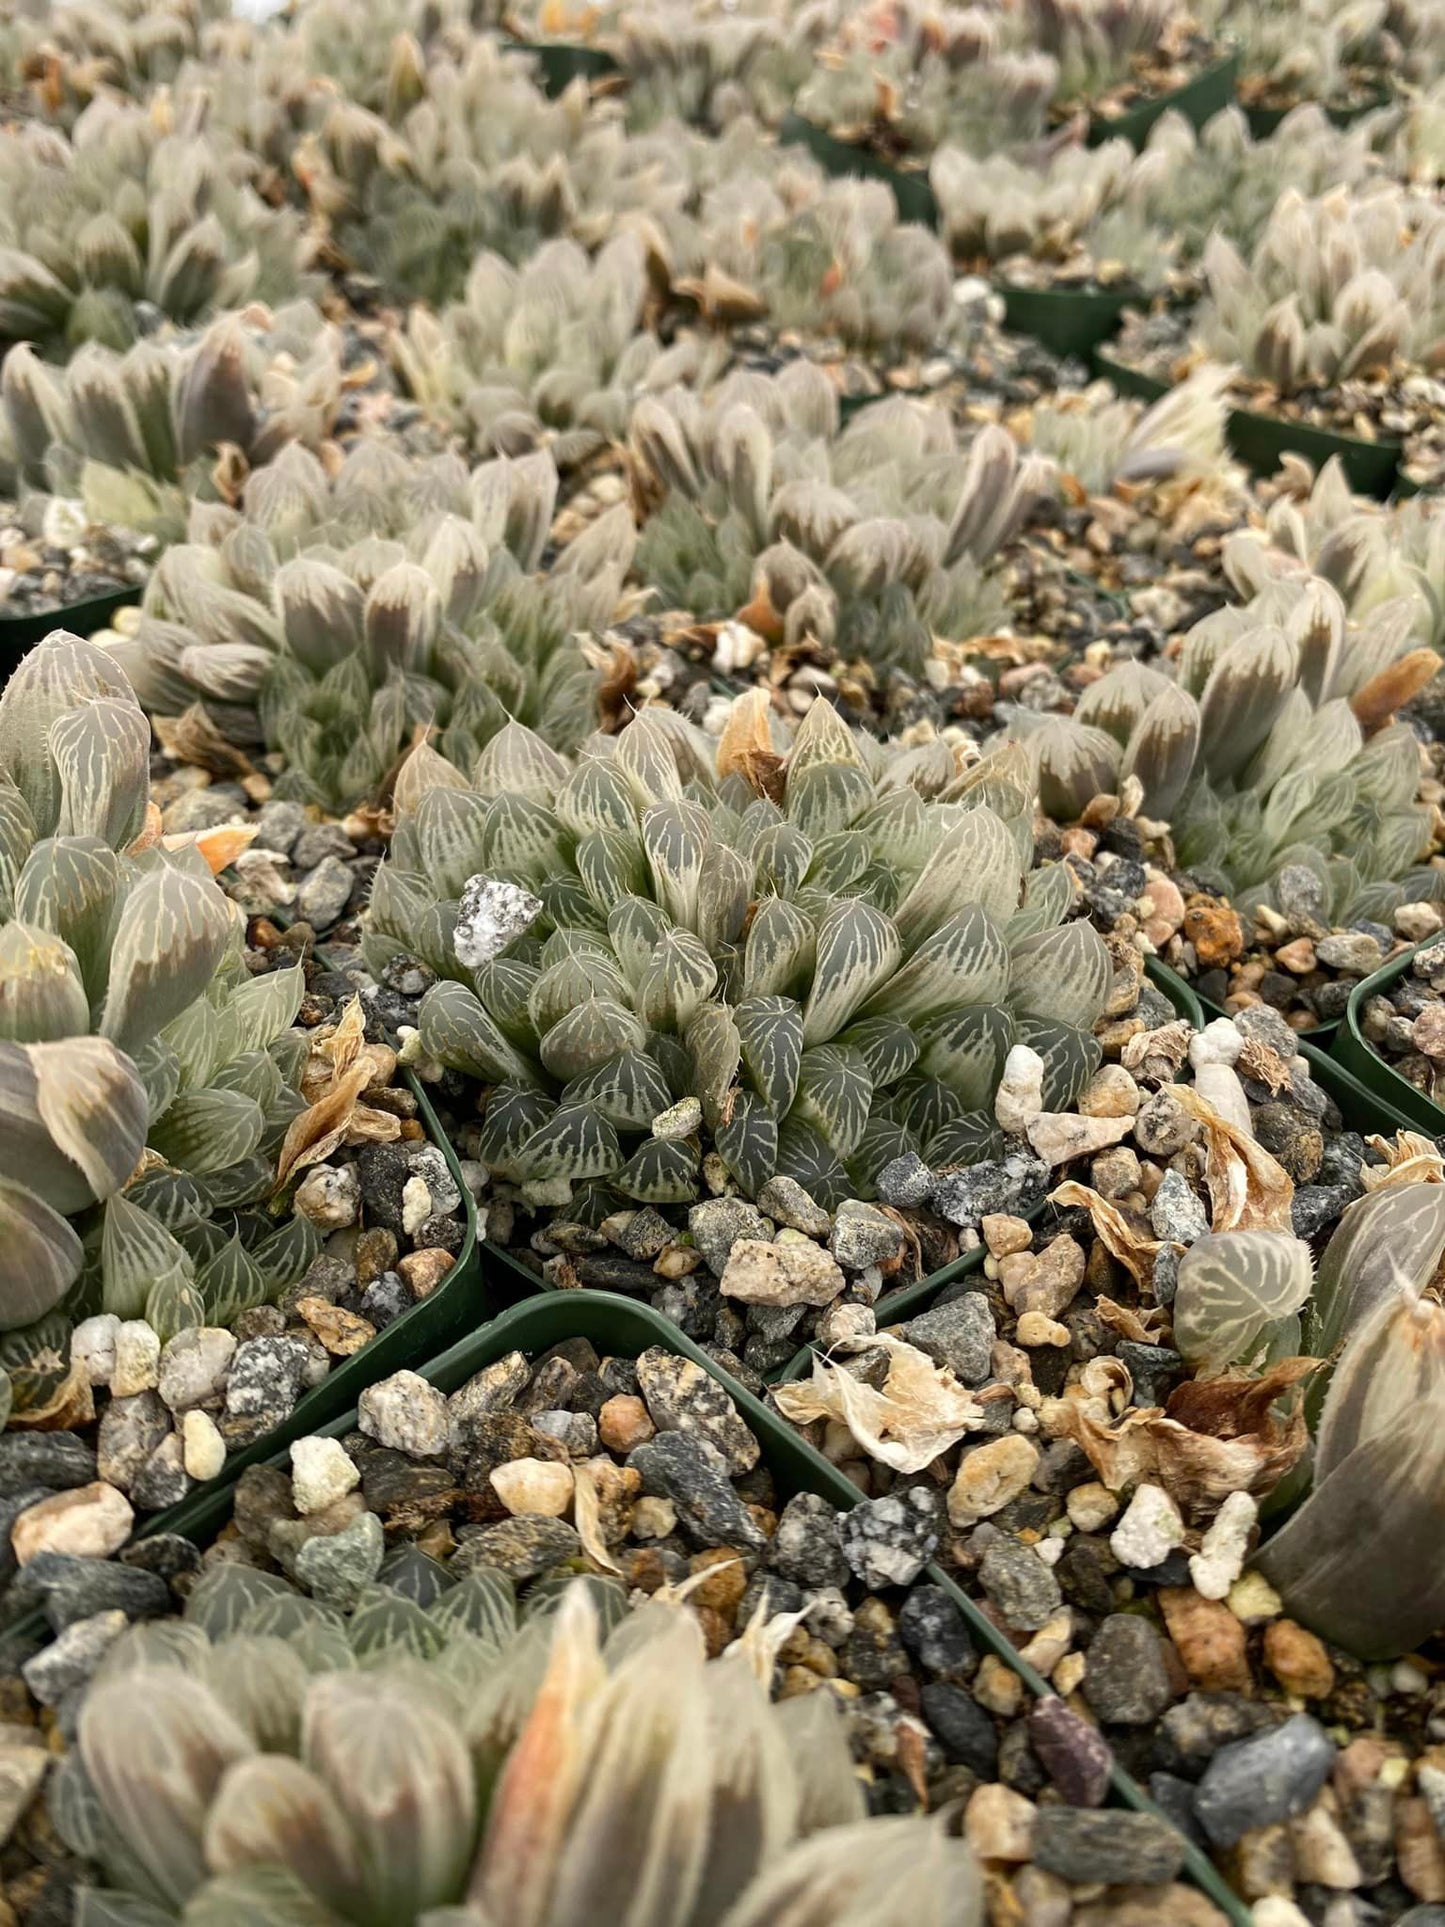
(319, 1129)
(920, 1410)
(1248, 1189)
(1124, 1238)
(587, 1514)
(1410, 1158)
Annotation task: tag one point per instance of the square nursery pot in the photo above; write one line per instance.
(910, 186)
(623, 1328)
(1068, 321)
(560, 63)
(19, 633)
(1264, 120)
(1321, 1037)
(1361, 1105)
(468, 1296)
(1259, 441)
(1382, 1083)
(1198, 100)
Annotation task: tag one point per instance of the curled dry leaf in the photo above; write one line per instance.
(1141, 1327)
(587, 1515)
(193, 738)
(1409, 1158)
(1245, 1448)
(920, 1410)
(1124, 1237)
(1158, 1053)
(341, 1066)
(1248, 1189)
(1392, 688)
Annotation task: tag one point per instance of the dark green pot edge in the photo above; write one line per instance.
(1198, 100)
(19, 633)
(1353, 1054)
(911, 190)
(1069, 321)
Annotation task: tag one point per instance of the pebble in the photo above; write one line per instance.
(264, 1381)
(137, 1358)
(1176, 1214)
(130, 1430)
(1224, 1547)
(963, 1729)
(679, 1467)
(1298, 1659)
(1020, 1585)
(1091, 1506)
(808, 1545)
(1127, 1681)
(1106, 1844)
(989, 1477)
(1149, 1530)
(202, 1447)
(999, 1824)
(330, 1196)
(959, 1334)
(92, 1521)
(1110, 1092)
(422, 1271)
(1352, 952)
(1261, 1781)
(194, 1366)
(92, 1346)
(1005, 1235)
(680, 1120)
(1209, 1639)
(904, 1182)
(324, 892)
(718, 1223)
(23, 1768)
(321, 1472)
(522, 1547)
(534, 1486)
(1059, 1136)
(71, 1659)
(888, 1541)
(795, 1273)
(682, 1397)
(337, 1566)
(1020, 1095)
(1073, 1753)
(862, 1235)
(406, 1414)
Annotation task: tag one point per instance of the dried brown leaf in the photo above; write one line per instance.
(1248, 1189)
(193, 738)
(1392, 688)
(587, 1515)
(320, 1129)
(1235, 1405)
(920, 1410)
(1409, 1158)
(1123, 1237)
(1197, 1470)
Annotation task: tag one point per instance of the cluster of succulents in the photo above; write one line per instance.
(333, 617)
(149, 1082)
(1098, 43)
(1270, 749)
(816, 955)
(127, 223)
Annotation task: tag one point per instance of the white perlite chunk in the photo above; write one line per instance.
(1220, 1558)
(92, 1346)
(203, 1448)
(416, 1205)
(1020, 1095)
(1149, 1530)
(321, 1472)
(492, 915)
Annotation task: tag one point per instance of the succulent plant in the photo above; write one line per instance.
(123, 225)
(75, 50)
(870, 542)
(907, 78)
(829, 257)
(553, 351)
(707, 65)
(1342, 286)
(332, 618)
(1267, 750)
(1097, 42)
(1337, 54)
(1352, 1561)
(136, 436)
(147, 1080)
(829, 946)
(538, 1775)
(1104, 443)
(1066, 209)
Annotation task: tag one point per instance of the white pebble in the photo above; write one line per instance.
(416, 1206)
(203, 1448)
(92, 1346)
(1149, 1530)
(330, 1196)
(1021, 1090)
(1222, 1091)
(540, 1488)
(321, 1473)
(1218, 1043)
(137, 1359)
(1051, 1551)
(1221, 1555)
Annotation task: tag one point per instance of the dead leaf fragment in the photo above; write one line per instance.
(920, 1410)
(1123, 1237)
(1248, 1189)
(1409, 1158)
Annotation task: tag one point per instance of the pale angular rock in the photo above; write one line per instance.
(321, 1472)
(1058, 1136)
(989, 1477)
(137, 1359)
(624, 1422)
(1111, 1092)
(406, 1414)
(92, 1346)
(1149, 1530)
(1322, 1854)
(680, 1120)
(792, 1272)
(1050, 1282)
(22, 1768)
(999, 1823)
(538, 1488)
(491, 915)
(93, 1521)
(330, 1196)
(1020, 1096)
(1222, 1091)
(422, 1271)
(203, 1448)
(416, 1205)
(1004, 1235)
(1091, 1506)
(1222, 1552)
(194, 1366)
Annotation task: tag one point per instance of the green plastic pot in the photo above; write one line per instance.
(1069, 321)
(1372, 468)
(1360, 1105)
(19, 633)
(1264, 120)
(911, 190)
(1354, 1055)
(1127, 380)
(560, 63)
(1321, 1036)
(1185, 998)
(1198, 100)
(622, 1328)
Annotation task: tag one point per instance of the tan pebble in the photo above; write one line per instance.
(342, 1332)
(653, 1519)
(1166, 907)
(1216, 933)
(989, 1477)
(726, 1581)
(203, 1447)
(999, 1823)
(1262, 1862)
(1058, 1136)
(1004, 1234)
(422, 1271)
(1053, 1280)
(1208, 1638)
(677, 1261)
(1298, 1660)
(1092, 1506)
(1050, 1643)
(1253, 1600)
(1068, 1675)
(997, 1687)
(536, 1488)
(1034, 1330)
(1322, 1854)
(1419, 1853)
(1111, 1092)
(92, 1521)
(1427, 1033)
(1077, 841)
(624, 1422)
(1298, 958)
